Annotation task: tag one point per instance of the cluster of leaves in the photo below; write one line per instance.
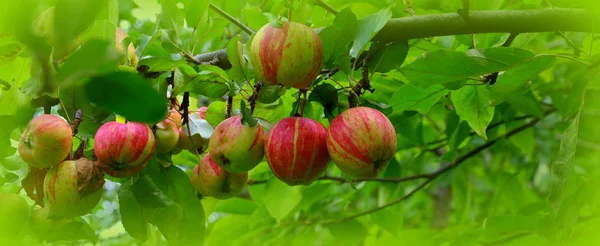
(529, 188)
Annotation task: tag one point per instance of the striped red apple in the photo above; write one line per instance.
(209, 179)
(46, 141)
(236, 147)
(290, 55)
(361, 141)
(296, 150)
(123, 149)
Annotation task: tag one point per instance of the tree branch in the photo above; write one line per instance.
(326, 6)
(433, 175)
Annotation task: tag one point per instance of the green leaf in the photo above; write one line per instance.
(470, 103)
(410, 97)
(281, 199)
(131, 214)
(128, 95)
(194, 11)
(171, 16)
(247, 117)
(236, 205)
(75, 230)
(254, 17)
(337, 38)
(211, 81)
(367, 28)
(147, 194)
(445, 66)
(327, 96)
(160, 64)
(526, 103)
(215, 113)
(236, 58)
(563, 163)
(93, 58)
(515, 79)
(72, 17)
(348, 232)
(198, 126)
(270, 93)
(169, 41)
(390, 57)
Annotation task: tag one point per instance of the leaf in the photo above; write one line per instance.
(254, 17)
(73, 98)
(280, 199)
(171, 16)
(131, 214)
(270, 93)
(199, 126)
(211, 81)
(337, 38)
(235, 57)
(390, 57)
(515, 79)
(236, 205)
(470, 103)
(367, 28)
(348, 232)
(72, 17)
(93, 58)
(563, 164)
(147, 194)
(160, 64)
(169, 40)
(75, 230)
(247, 117)
(526, 103)
(325, 94)
(445, 66)
(410, 97)
(127, 95)
(194, 10)
(215, 113)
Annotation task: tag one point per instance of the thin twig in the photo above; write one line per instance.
(229, 107)
(326, 6)
(232, 19)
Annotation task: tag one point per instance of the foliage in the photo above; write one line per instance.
(497, 134)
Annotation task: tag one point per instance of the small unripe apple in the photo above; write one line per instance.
(210, 180)
(73, 188)
(166, 135)
(237, 147)
(46, 141)
(123, 149)
(361, 141)
(14, 212)
(290, 55)
(296, 150)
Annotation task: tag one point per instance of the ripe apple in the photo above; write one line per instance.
(296, 150)
(290, 55)
(73, 188)
(123, 149)
(46, 141)
(361, 141)
(202, 112)
(209, 179)
(13, 211)
(237, 147)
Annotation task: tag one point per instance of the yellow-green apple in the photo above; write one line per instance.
(290, 55)
(46, 141)
(237, 147)
(166, 134)
(14, 212)
(123, 149)
(361, 141)
(43, 225)
(296, 150)
(73, 188)
(209, 179)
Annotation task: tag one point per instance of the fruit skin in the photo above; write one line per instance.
(291, 55)
(73, 188)
(14, 212)
(237, 147)
(296, 150)
(123, 149)
(166, 135)
(46, 141)
(202, 112)
(361, 141)
(209, 179)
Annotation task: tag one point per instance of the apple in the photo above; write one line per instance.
(73, 188)
(237, 147)
(290, 55)
(210, 180)
(166, 133)
(123, 149)
(361, 141)
(46, 141)
(13, 211)
(202, 112)
(296, 150)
